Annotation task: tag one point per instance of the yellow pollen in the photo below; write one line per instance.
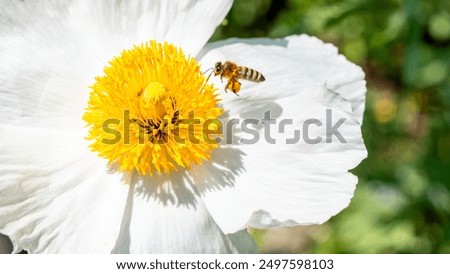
(152, 111)
(153, 92)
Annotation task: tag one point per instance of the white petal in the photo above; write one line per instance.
(289, 65)
(45, 68)
(164, 214)
(266, 185)
(187, 23)
(55, 195)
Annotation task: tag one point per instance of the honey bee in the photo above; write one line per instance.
(233, 72)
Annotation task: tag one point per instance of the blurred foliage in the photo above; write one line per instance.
(402, 202)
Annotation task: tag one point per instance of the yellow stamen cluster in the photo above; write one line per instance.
(153, 111)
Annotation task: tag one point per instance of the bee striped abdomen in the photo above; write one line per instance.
(251, 74)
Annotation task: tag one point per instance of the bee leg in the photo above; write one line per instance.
(236, 87)
(230, 85)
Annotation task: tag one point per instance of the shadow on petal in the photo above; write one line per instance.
(6, 246)
(181, 188)
(221, 171)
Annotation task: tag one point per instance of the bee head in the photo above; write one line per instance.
(218, 68)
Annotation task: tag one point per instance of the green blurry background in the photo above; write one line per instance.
(402, 201)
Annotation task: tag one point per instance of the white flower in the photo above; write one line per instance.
(58, 196)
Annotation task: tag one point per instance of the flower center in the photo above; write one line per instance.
(152, 111)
